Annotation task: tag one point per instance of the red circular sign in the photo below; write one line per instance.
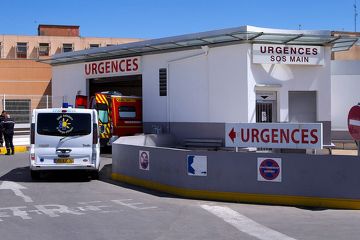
(269, 169)
(354, 122)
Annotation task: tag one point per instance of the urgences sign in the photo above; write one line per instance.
(288, 54)
(274, 135)
(113, 67)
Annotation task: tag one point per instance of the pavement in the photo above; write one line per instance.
(21, 144)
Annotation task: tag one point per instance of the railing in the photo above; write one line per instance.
(20, 107)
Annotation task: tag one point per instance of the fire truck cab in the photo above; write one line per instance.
(118, 115)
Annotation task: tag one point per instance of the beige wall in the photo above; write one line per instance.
(353, 53)
(9, 42)
(24, 77)
(29, 79)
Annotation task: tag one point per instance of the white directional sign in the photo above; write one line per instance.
(274, 135)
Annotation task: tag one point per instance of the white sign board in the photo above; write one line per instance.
(197, 165)
(288, 54)
(274, 135)
(113, 67)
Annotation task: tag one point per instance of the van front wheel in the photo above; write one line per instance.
(35, 175)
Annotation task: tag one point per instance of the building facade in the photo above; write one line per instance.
(193, 84)
(345, 85)
(25, 83)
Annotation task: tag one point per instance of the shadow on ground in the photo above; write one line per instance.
(22, 174)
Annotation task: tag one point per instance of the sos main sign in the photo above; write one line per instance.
(288, 54)
(113, 67)
(274, 135)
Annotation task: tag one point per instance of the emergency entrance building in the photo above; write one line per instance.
(191, 85)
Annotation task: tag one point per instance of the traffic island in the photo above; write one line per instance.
(321, 181)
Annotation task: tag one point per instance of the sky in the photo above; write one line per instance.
(163, 18)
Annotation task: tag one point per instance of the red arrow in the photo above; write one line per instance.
(232, 134)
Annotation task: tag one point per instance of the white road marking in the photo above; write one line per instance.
(354, 122)
(245, 224)
(126, 203)
(78, 209)
(54, 210)
(15, 187)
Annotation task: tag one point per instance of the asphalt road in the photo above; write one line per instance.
(71, 206)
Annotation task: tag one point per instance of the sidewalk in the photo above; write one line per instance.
(21, 143)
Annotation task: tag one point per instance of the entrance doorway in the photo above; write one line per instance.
(126, 85)
(266, 107)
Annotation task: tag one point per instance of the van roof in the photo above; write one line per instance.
(64, 110)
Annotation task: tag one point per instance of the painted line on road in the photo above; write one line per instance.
(245, 224)
(15, 187)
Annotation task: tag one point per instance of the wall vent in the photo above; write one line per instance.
(163, 81)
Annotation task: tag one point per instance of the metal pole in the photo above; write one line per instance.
(47, 101)
(4, 103)
(355, 14)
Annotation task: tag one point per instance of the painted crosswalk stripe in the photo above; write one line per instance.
(245, 224)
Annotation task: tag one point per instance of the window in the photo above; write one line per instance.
(108, 45)
(102, 112)
(94, 45)
(127, 112)
(21, 50)
(44, 49)
(19, 109)
(64, 124)
(67, 47)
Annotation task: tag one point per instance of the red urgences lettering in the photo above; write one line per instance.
(279, 135)
(112, 66)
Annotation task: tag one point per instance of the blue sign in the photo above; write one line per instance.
(197, 165)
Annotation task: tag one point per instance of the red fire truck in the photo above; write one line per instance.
(118, 115)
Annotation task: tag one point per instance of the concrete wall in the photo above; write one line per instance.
(67, 81)
(201, 87)
(315, 180)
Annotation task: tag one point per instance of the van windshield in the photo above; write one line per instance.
(64, 124)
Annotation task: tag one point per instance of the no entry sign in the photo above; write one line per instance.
(269, 169)
(354, 122)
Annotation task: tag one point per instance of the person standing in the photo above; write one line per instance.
(8, 131)
(2, 117)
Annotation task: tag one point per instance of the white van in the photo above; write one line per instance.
(63, 139)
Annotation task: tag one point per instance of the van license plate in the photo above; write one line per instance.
(64, 160)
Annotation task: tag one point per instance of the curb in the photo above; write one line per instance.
(297, 201)
(17, 149)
